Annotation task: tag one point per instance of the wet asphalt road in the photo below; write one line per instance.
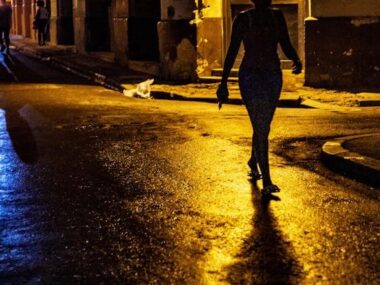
(96, 188)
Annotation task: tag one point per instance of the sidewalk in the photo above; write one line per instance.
(294, 95)
(119, 78)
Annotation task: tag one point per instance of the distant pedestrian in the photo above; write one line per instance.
(42, 22)
(260, 29)
(5, 25)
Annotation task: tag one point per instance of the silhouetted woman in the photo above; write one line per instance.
(42, 20)
(260, 78)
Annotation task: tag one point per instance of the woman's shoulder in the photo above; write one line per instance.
(252, 12)
(247, 12)
(244, 15)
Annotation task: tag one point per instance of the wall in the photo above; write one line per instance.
(342, 49)
(345, 8)
(210, 28)
(343, 52)
(177, 9)
(191, 37)
(177, 40)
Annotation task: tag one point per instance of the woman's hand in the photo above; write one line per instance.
(297, 67)
(222, 94)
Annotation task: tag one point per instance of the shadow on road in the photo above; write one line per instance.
(19, 132)
(21, 136)
(265, 257)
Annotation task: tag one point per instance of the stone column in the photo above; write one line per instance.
(33, 10)
(79, 13)
(13, 30)
(26, 23)
(302, 6)
(17, 11)
(53, 22)
(119, 30)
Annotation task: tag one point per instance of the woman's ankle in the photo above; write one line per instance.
(267, 182)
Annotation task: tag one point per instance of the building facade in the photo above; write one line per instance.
(342, 44)
(185, 39)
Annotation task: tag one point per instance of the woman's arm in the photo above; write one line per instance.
(236, 38)
(285, 43)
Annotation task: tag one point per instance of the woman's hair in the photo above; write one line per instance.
(40, 3)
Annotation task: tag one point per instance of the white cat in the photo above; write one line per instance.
(142, 90)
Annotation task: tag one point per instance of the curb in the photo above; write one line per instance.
(74, 69)
(363, 168)
(97, 78)
(215, 79)
(162, 95)
(309, 103)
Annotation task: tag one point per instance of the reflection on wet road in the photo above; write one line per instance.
(142, 192)
(6, 72)
(20, 235)
(99, 189)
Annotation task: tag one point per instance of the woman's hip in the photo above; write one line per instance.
(260, 85)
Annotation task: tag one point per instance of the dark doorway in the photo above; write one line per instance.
(142, 30)
(97, 25)
(65, 22)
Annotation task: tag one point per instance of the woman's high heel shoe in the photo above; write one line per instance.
(255, 175)
(268, 190)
